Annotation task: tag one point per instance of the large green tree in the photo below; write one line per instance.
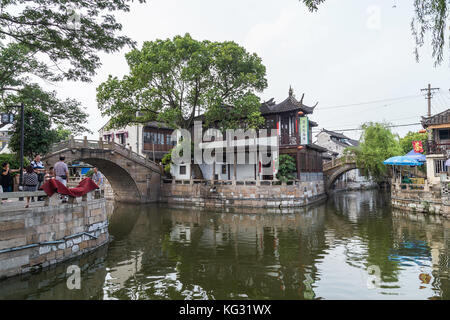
(378, 144)
(38, 134)
(430, 19)
(54, 40)
(174, 80)
(406, 142)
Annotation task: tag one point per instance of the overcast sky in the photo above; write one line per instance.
(350, 51)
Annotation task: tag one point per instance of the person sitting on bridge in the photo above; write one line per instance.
(97, 177)
(62, 173)
(30, 182)
(50, 174)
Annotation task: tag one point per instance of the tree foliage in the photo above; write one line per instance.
(53, 40)
(68, 33)
(406, 142)
(378, 144)
(286, 168)
(38, 135)
(174, 80)
(431, 18)
(13, 160)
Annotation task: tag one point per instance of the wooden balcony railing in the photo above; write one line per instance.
(289, 140)
(432, 147)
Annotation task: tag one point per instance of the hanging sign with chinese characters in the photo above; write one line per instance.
(304, 130)
(418, 147)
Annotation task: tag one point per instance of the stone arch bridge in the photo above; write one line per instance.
(133, 177)
(333, 169)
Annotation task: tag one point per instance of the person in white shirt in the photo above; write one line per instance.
(97, 177)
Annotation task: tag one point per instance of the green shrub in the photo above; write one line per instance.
(286, 168)
(14, 161)
(167, 161)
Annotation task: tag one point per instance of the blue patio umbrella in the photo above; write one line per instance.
(402, 161)
(416, 156)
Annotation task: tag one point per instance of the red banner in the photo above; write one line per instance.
(418, 147)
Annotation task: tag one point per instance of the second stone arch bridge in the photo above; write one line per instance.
(133, 177)
(333, 169)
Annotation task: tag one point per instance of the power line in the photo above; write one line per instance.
(355, 124)
(391, 126)
(429, 96)
(367, 102)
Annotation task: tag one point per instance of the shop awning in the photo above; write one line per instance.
(402, 161)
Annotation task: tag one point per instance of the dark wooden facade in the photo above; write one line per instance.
(285, 118)
(438, 126)
(157, 140)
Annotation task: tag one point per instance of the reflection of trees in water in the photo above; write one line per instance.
(226, 255)
(434, 247)
(387, 238)
(364, 217)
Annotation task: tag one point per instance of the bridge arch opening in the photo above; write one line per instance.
(341, 178)
(122, 183)
(334, 175)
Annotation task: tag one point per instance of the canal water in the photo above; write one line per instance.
(353, 246)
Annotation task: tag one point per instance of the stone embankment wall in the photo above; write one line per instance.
(429, 201)
(274, 196)
(38, 237)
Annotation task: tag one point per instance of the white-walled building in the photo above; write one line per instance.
(152, 139)
(290, 129)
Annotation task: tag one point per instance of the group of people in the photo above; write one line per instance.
(35, 175)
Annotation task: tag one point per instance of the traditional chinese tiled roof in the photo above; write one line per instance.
(290, 104)
(313, 124)
(317, 147)
(346, 143)
(440, 118)
(158, 125)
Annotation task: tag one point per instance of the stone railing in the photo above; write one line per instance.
(102, 145)
(338, 162)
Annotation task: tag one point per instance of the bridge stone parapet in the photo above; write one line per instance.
(38, 237)
(133, 177)
(335, 168)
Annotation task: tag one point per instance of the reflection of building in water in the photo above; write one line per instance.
(408, 224)
(195, 253)
(356, 204)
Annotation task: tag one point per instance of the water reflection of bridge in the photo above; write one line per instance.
(187, 235)
(261, 255)
(162, 252)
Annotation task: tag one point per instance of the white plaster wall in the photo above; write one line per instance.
(175, 172)
(243, 171)
(432, 179)
(135, 136)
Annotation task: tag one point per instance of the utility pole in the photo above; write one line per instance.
(22, 133)
(429, 96)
